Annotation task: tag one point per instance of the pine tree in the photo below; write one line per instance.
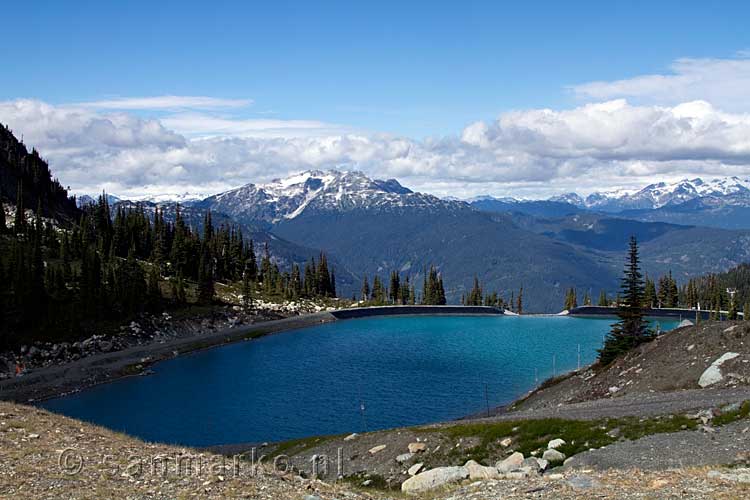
(475, 296)
(205, 278)
(632, 329)
(395, 287)
(603, 299)
(247, 288)
(153, 291)
(19, 223)
(519, 302)
(3, 224)
(365, 292)
(649, 294)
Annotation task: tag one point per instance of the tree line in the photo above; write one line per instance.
(402, 290)
(728, 291)
(60, 283)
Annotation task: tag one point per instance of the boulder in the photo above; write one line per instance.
(506, 442)
(713, 374)
(404, 457)
(414, 469)
(479, 471)
(555, 444)
(553, 456)
(377, 449)
(434, 478)
(417, 447)
(350, 437)
(511, 463)
(534, 464)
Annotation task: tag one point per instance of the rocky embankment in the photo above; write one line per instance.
(46, 456)
(710, 355)
(146, 329)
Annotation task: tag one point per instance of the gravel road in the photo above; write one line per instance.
(670, 451)
(641, 405)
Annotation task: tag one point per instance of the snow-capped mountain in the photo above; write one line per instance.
(320, 191)
(732, 191)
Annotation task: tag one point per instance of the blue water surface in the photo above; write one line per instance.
(402, 370)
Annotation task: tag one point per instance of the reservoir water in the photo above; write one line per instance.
(346, 376)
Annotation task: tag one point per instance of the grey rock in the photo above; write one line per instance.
(434, 478)
(511, 463)
(553, 456)
(555, 443)
(404, 457)
(479, 471)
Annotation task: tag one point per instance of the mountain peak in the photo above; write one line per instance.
(725, 190)
(320, 191)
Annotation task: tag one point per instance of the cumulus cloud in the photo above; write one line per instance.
(722, 82)
(533, 152)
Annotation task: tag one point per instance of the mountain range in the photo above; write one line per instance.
(370, 226)
(722, 202)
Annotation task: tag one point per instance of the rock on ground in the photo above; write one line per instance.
(434, 478)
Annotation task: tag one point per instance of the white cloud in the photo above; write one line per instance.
(722, 82)
(523, 153)
(166, 102)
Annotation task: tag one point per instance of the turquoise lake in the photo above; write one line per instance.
(404, 370)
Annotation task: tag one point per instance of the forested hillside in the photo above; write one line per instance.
(25, 179)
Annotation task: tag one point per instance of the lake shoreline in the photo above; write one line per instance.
(60, 380)
(67, 378)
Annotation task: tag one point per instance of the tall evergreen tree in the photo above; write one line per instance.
(632, 329)
(603, 299)
(19, 223)
(365, 292)
(519, 302)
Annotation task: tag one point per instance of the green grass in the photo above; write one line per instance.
(732, 416)
(296, 446)
(579, 435)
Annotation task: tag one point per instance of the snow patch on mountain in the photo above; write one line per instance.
(321, 191)
(719, 191)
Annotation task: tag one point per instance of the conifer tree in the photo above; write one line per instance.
(519, 302)
(247, 288)
(205, 278)
(475, 295)
(19, 224)
(632, 329)
(3, 224)
(603, 299)
(649, 294)
(395, 287)
(365, 292)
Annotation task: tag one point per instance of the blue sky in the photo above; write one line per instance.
(414, 70)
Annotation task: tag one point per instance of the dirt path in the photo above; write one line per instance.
(637, 405)
(723, 446)
(61, 379)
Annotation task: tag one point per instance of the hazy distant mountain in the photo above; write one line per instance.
(722, 202)
(732, 191)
